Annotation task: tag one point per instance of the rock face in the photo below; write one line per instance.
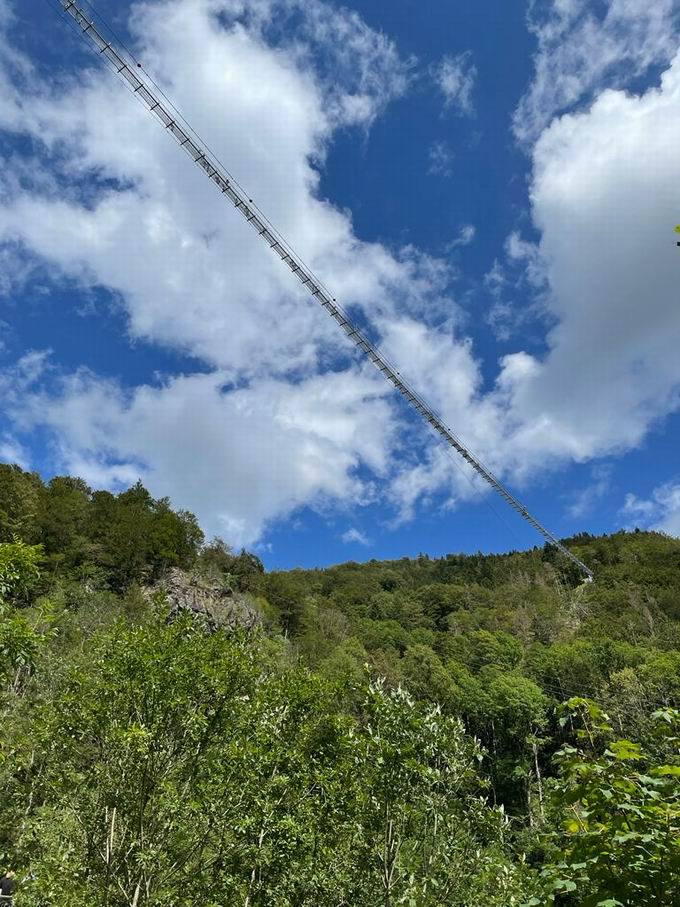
(215, 605)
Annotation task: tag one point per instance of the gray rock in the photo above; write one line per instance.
(207, 599)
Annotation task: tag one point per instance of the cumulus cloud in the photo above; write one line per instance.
(119, 208)
(605, 193)
(284, 417)
(163, 231)
(585, 47)
(528, 256)
(240, 458)
(442, 366)
(358, 68)
(660, 512)
(518, 287)
(455, 77)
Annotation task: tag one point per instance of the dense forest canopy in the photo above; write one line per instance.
(467, 730)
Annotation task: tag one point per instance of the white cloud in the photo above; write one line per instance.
(360, 69)
(13, 452)
(502, 316)
(660, 512)
(455, 77)
(605, 195)
(165, 232)
(240, 459)
(191, 277)
(440, 157)
(270, 427)
(640, 509)
(443, 368)
(466, 235)
(583, 47)
(527, 254)
(518, 289)
(586, 499)
(357, 57)
(355, 536)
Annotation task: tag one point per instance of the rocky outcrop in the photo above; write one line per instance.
(207, 599)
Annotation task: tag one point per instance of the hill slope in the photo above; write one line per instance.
(383, 733)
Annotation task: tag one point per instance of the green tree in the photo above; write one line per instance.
(20, 495)
(63, 517)
(19, 571)
(426, 677)
(135, 767)
(19, 639)
(512, 720)
(429, 836)
(137, 537)
(289, 595)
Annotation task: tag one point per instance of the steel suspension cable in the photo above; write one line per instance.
(152, 98)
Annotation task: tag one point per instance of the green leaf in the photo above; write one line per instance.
(668, 770)
(564, 885)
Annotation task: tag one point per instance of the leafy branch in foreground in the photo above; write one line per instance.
(619, 805)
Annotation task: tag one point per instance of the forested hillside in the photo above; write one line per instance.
(471, 730)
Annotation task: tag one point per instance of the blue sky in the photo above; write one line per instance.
(490, 187)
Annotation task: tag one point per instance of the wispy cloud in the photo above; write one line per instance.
(11, 451)
(465, 236)
(440, 157)
(660, 512)
(586, 499)
(456, 76)
(355, 536)
(584, 47)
